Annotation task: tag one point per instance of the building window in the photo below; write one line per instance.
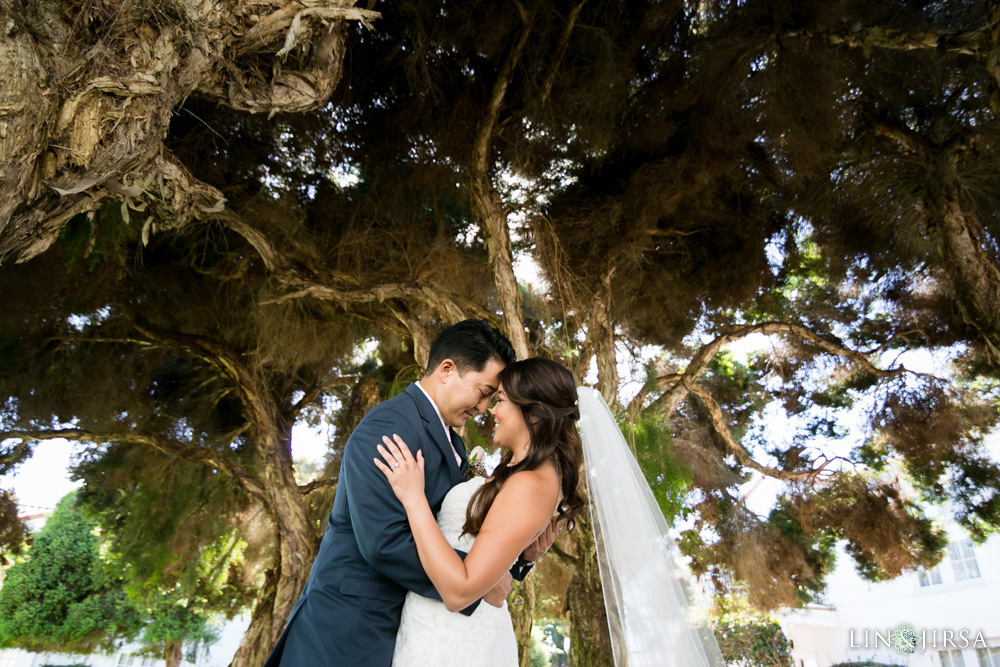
(929, 577)
(988, 657)
(963, 561)
(951, 659)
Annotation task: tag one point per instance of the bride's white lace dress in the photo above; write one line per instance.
(429, 634)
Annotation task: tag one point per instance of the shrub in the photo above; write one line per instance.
(752, 641)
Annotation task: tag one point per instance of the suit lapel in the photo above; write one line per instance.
(434, 428)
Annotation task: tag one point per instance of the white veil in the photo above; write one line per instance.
(640, 573)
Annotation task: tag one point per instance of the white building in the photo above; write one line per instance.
(954, 611)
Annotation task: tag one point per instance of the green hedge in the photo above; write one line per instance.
(752, 641)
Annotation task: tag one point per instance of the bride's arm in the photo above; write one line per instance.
(521, 510)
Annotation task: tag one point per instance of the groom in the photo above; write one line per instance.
(349, 612)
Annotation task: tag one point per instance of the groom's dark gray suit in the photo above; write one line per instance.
(349, 612)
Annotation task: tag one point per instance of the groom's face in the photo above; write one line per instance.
(465, 395)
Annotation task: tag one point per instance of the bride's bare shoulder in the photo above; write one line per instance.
(543, 480)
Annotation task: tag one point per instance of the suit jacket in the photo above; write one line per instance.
(349, 612)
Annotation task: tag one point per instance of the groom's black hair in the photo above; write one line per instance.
(470, 344)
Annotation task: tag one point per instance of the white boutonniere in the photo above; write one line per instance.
(477, 462)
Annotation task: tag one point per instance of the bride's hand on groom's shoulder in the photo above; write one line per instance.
(404, 472)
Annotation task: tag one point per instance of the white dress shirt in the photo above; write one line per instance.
(447, 430)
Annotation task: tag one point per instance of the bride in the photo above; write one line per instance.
(495, 519)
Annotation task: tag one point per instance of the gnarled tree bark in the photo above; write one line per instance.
(87, 91)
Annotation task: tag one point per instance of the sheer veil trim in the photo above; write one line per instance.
(643, 582)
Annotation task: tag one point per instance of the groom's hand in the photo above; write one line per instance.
(496, 595)
(537, 549)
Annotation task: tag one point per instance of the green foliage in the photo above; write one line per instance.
(752, 641)
(872, 456)
(163, 517)
(538, 657)
(817, 549)
(173, 621)
(668, 477)
(60, 597)
(403, 379)
(13, 532)
(547, 643)
(64, 597)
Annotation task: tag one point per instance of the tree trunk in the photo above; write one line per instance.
(296, 548)
(298, 543)
(521, 603)
(490, 214)
(590, 638)
(958, 234)
(295, 533)
(602, 336)
(273, 485)
(489, 210)
(87, 91)
(256, 643)
(172, 654)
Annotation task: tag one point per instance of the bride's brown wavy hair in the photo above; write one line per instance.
(546, 394)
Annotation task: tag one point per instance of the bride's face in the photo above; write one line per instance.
(509, 430)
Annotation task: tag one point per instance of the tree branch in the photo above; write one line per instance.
(557, 57)
(447, 308)
(418, 334)
(260, 406)
(954, 225)
(317, 484)
(678, 385)
(104, 114)
(741, 453)
(993, 58)
(121, 341)
(312, 392)
(203, 348)
(273, 260)
(272, 27)
(903, 136)
(174, 448)
(564, 560)
(974, 43)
